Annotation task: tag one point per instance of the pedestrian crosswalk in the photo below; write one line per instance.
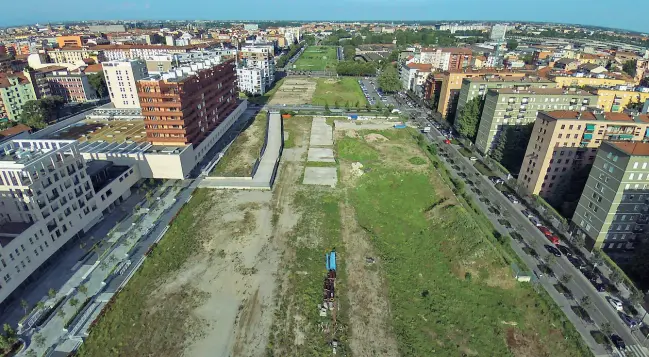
(634, 351)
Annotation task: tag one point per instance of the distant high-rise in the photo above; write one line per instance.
(498, 32)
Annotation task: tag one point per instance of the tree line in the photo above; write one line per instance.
(356, 68)
(292, 51)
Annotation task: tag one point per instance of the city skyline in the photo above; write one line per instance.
(595, 13)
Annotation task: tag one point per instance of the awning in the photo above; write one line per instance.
(588, 136)
(626, 136)
(590, 126)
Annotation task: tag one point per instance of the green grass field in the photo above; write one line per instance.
(317, 58)
(344, 91)
(450, 286)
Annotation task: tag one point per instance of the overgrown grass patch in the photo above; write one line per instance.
(240, 157)
(137, 322)
(429, 249)
(342, 92)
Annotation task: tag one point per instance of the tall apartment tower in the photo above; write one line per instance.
(185, 105)
(121, 78)
(564, 142)
(614, 207)
(47, 199)
(508, 107)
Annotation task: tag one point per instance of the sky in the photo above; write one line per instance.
(606, 13)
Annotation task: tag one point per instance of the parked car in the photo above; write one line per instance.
(544, 230)
(552, 250)
(527, 213)
(617, 304)
(473, 158)
(496, 180)
(534, 221)
(629, 321)
(618, 342)
(565, 250)
(512, 198)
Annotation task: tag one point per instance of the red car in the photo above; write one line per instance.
(545, 231)
(554, 239)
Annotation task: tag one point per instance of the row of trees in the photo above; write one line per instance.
(349, 51)
(425, 37)
(292, 51)
(354, 68)
(469, 118)
(511, 145)
(389, 80)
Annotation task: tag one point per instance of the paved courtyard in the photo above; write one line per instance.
(321, 133)
(326, 176)
(321, 155)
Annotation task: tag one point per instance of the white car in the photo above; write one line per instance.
(617, 304)
(473, 158)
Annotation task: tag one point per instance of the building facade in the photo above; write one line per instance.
(478, 87)
(15, 91)
(121, 80)
(184, 106)
(48, 199)
(72, 86)
(563, 142)
(613, 209)
(513, 107)
(256, 69)
(618, 99)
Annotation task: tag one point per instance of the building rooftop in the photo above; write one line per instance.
(634, 148)
(15, 154)
(14, 130)
(186, 70)
(597, 116)
(541, 91)
(103, 130)
(496, 78)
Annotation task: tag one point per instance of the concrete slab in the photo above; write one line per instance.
(321, 155)
(326, 176)
(321, 133)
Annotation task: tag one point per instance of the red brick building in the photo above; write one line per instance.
(184, 106)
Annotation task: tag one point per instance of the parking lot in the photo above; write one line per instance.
(373, 94)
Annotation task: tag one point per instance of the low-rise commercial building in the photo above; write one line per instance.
(508, 107)
(563, 142)
(613, 209)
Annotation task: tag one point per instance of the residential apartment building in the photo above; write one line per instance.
(592, 80)
(74, 55)
(445, 59)
(511, 107)
(563, 142)
(618, 98)
(185, 105)
(72, 40)
(614, 206)
(413, 75)
(478, 87)
(256, 69)
(449, 83)
(72, 86)
(15, 91)
(121, 80)
(120, 52)
(49, 197)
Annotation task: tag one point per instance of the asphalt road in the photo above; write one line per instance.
(600, 311)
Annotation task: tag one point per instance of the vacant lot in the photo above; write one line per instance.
(244, 151)
(317, 58)
(450, 288)
(294, 91)
(342, 92)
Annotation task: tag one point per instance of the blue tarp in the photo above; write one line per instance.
(331, 261)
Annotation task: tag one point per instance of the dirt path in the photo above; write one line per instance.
(369, 310)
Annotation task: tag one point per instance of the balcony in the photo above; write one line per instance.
(51, 227)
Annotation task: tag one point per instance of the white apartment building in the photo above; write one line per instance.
(434, 56)
(120, 80)
(48, 198)
(256, 58)
(251, 80)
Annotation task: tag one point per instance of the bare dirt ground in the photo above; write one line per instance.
(294, 91)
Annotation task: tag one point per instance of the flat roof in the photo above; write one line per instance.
(496, 78)
(590, 116)
(103, 130)
(634, 148)
(93, 147)
(541, 91)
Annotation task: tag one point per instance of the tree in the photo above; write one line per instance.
(469, 118)
(499, 150)
(349, 51)
(9, 334)
(40, 305)
(24, 304)
(83, 289)
(326, 108)
(512, 44)
(98, 83)
(336, 104)
(368, 107)
(357, 105)
(74, 302)
(51, 293)
(606, 328)
(629, 67)
(585, 302)
(39, 340)
(565, 278)
(389, 80)
(61, 313)
(37, 113)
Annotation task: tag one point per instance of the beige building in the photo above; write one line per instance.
(613, 210)
(121, 76)
(616, 100)
(507, 107)
(565, 141)
(74, 55)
